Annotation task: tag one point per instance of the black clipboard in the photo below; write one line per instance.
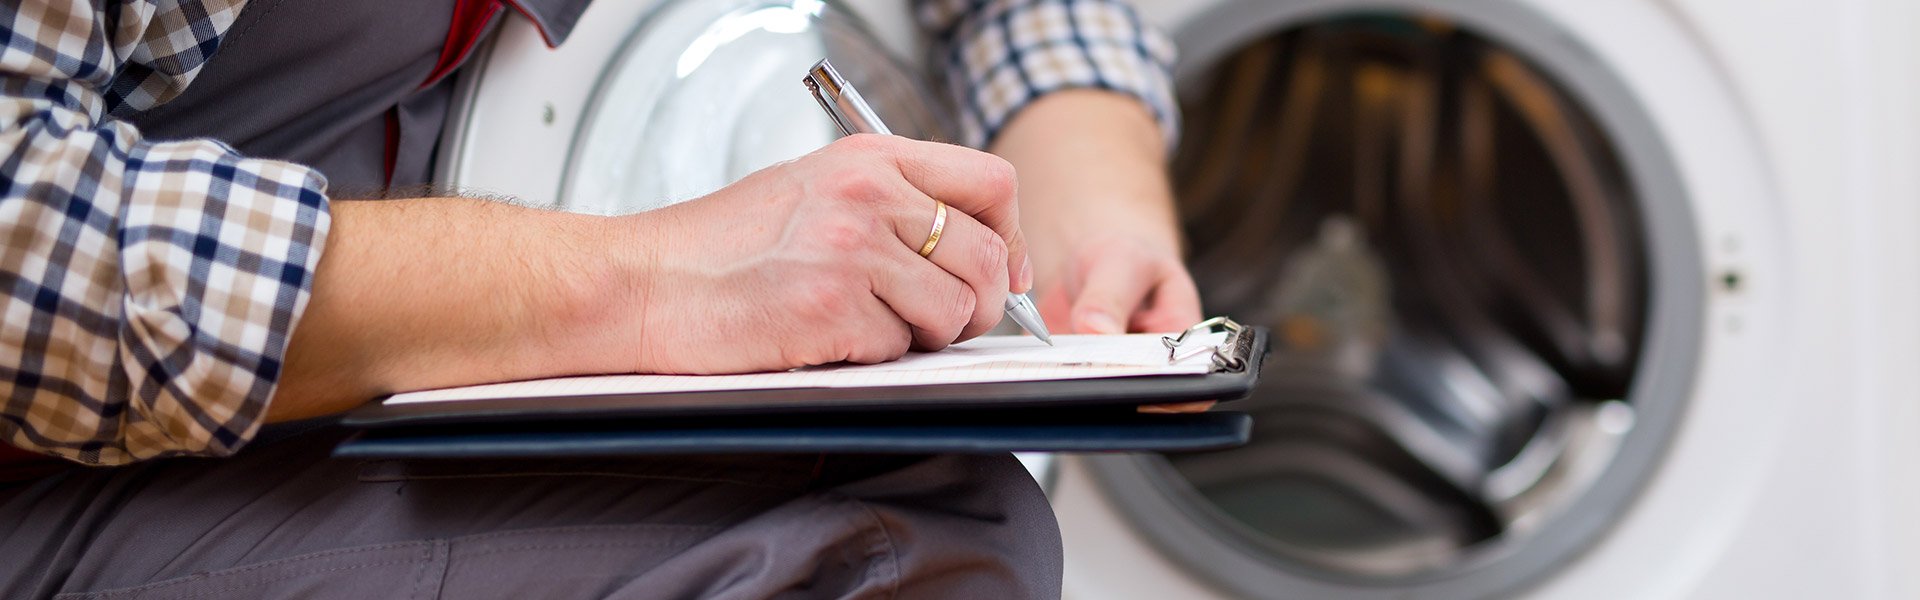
(1073, 430)
(1055, 415)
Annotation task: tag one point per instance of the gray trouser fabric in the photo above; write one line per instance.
(281, 520)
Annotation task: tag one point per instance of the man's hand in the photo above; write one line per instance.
(1106, 243)
(807, 262)
(1100, 213)
(816, 260)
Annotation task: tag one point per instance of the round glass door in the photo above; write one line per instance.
(1454, 258)
(706, 91)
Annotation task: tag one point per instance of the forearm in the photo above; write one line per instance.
(417, 294)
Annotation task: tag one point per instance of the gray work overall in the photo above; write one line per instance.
(358, 88)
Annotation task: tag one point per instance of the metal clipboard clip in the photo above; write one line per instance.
(1230, 355)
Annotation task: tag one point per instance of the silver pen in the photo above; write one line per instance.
(853, 115)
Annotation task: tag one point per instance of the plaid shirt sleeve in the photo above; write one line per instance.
(150, 287)
(1000, 55)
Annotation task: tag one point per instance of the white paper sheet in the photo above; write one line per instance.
(980, 360)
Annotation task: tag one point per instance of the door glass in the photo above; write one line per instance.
(707, 91)
(1449, 255)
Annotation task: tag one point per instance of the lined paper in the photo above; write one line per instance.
(980, 360)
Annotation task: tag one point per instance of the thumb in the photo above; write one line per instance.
(1113, 289)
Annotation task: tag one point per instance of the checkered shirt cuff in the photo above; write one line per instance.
(1001, 55)
(150, 287)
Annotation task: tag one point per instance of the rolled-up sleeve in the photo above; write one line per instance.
(150, 287)
(1001, 55)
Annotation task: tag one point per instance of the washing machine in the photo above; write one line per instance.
(1571, 299)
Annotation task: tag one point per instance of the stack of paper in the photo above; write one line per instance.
(980, 360)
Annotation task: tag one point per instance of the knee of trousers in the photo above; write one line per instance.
(1029, 516)
(981, 515)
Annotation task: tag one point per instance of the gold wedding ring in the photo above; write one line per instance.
(939, 225)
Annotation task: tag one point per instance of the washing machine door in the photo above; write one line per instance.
(1480, 252)
(652, 103)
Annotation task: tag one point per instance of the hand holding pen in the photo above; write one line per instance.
(816, 260)
(852, 114)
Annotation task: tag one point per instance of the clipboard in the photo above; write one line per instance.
(922, 432)
(1091, 414)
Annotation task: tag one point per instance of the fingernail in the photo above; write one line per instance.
(1026, 273)
(1099, 322)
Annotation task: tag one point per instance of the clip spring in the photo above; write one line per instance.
(1224, 356)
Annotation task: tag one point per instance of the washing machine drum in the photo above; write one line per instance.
(1452, 261)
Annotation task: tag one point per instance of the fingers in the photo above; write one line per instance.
(876, 334)
(1125, 288)
(867, 217)
(967, 250)
(1113, 288)
(1173, 305)
(979, 184)
(938, 306)
(830, 315)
